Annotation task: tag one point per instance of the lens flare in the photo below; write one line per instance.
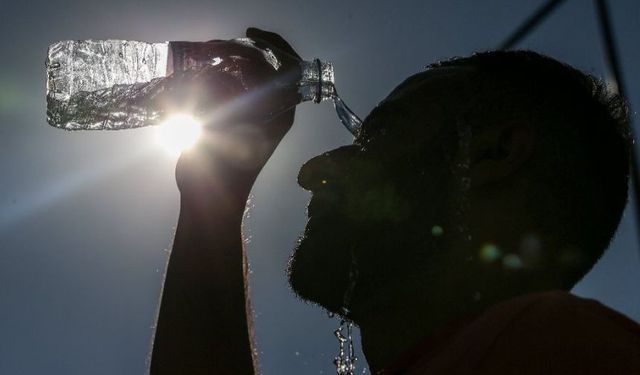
(178, 133)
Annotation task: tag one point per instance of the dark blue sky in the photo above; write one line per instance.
(86, 218)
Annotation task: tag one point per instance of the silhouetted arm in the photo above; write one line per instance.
(204, 322)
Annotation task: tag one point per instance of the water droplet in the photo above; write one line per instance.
(216, 60)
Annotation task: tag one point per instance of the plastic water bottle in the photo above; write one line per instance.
(119, 84)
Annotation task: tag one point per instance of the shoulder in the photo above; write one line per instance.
(567, 312)
(557, 331)
(543, 333)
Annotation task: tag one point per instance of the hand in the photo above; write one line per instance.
(229, 157)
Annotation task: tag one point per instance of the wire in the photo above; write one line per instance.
(530, 24)
(614, 64)
(610, 44)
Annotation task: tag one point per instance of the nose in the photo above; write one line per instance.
(326, 169)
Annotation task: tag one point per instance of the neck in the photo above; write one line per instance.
(386, 336)
(450, 296)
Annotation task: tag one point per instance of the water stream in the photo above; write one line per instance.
(345, 361)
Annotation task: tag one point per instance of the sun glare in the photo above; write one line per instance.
(178, 133)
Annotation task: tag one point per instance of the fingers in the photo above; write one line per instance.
(272, 38)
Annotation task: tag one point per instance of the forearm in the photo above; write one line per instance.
(203, 325)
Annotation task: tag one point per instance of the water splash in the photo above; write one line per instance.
(345, 361)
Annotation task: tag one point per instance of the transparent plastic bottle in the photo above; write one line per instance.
(119, 84)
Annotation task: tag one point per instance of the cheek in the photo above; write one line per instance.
(378, 204)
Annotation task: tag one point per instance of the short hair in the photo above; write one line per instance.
(581, 172)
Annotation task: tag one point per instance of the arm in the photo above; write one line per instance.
(204, 324)
(204, 321)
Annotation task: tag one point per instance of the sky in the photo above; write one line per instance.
(86, 218)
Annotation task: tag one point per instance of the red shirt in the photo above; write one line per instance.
(543, 333)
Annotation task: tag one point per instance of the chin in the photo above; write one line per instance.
(318, 271)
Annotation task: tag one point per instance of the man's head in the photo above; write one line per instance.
(481, 177)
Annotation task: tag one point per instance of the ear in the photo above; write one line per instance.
(499, 151)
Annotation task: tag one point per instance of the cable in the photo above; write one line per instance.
(530, 24)
(614, 64)
(610, 44)
(612, 60)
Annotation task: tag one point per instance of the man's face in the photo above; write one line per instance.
(376, 204)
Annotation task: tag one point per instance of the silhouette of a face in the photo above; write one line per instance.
(379, 205)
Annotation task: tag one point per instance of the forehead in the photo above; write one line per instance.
(428, 82)
(421, 103)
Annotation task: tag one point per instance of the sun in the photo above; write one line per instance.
(178, 133)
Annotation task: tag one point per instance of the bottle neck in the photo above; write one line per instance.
(317, 81)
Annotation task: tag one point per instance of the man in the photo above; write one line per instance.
(475, 196)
